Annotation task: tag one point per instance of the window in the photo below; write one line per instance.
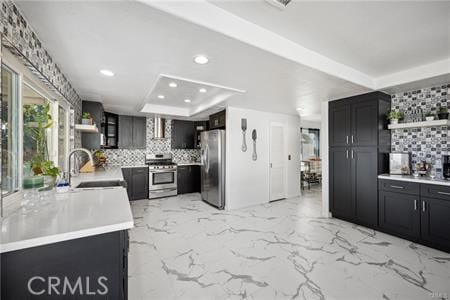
(310, 143)
(38, 121)
(63, 136)
(10, 131)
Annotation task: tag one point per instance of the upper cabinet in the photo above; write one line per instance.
(217, 120)
(132, 132)
(110, 130)
(183, 134)
(359, 121)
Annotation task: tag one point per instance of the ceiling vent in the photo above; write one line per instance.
(281, 4)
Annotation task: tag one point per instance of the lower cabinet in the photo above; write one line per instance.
(419, 212)
(68, 270)
(188, 179)
(137, 182)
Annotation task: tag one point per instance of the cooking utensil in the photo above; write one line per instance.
(244, 129)
(254, 156)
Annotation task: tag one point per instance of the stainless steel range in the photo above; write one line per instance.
(162, 175)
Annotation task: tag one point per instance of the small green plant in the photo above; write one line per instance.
(395, 115)
(86, 115)
(429, 114)
(443, 110)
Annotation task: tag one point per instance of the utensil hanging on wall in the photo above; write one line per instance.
(244, 129)
(254, 156)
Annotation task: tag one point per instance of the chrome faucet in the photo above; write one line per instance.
(91, 160)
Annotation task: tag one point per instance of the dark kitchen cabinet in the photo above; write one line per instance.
(435, 221)
(188, 179)
(359, 151)
(132, 132)
(110, 130)
(217, 120)
(200, 126)
(340, 182)
(91, 259)
(399, 214)
(183, 134)
(137, 182)
(408, 211)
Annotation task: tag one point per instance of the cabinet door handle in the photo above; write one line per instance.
(415, 204)
(424, 206)
(347, 139)
(347, 154)
(397, 187)
(352, 138)
(444, 193)
(353, 156)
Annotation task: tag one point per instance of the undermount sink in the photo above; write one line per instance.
(101, 184)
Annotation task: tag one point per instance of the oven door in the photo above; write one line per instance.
(162, 179)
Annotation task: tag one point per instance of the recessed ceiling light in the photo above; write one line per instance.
(173, 84)
(201, 59)
(202, 90)
(187, 100)
(107, 72)
(299, 108)
(161, 96)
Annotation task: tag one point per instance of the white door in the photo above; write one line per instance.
(277, 162)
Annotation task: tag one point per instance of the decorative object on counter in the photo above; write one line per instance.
(429, 116)
(446, 167)
(399, 163)
(395, 116)
(86, 119)
(254, 136)
(443, 113)
(422, 168)
(244, 129)
(99, 158)
(31, 186)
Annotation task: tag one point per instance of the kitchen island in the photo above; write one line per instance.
(74, 244)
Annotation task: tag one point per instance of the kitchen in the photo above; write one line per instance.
(158, 156)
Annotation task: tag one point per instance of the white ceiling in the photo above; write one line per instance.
(375, 37)
(139, 42)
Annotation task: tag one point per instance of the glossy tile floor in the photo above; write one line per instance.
(182, 248)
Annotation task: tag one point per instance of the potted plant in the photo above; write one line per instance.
(429, 116)
(395, 116)
(86, 119)
(443, 113)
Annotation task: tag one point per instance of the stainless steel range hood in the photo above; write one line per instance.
(159, 128)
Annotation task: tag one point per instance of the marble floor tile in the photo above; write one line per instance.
(182, 248)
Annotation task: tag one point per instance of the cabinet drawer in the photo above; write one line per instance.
(435, 191)
(397, 186)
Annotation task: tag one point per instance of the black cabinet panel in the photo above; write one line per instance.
(137, 182)
(400, 214)
(397, 186)
(435, 222)
(139, 132)
(125, 132)
(435, 191)
(217, 120)
(365, 188)
(364, 130)
(183, 134)
(341, 182)
(188, 179)
(339, 123)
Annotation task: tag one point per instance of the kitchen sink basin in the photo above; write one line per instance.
(101, 184)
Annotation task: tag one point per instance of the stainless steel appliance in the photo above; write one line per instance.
(446, 166)
(399, 163)
(213, 167)
(162, 175)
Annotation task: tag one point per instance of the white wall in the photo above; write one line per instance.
(247, 181)
(324, 154)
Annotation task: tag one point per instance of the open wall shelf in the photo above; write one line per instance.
(433, 123)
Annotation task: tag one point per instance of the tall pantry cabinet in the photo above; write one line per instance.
(359, 151)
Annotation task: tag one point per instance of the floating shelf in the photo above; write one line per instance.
(86, 128)
(433, 123)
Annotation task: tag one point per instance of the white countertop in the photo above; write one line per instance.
(410, 178)
(189, 164)
(79, 213)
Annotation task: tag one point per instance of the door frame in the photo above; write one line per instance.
(285, 175)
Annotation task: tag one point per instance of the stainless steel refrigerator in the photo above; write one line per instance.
(213, 167)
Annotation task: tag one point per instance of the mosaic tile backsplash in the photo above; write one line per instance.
(428, 143)
(133, 157)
